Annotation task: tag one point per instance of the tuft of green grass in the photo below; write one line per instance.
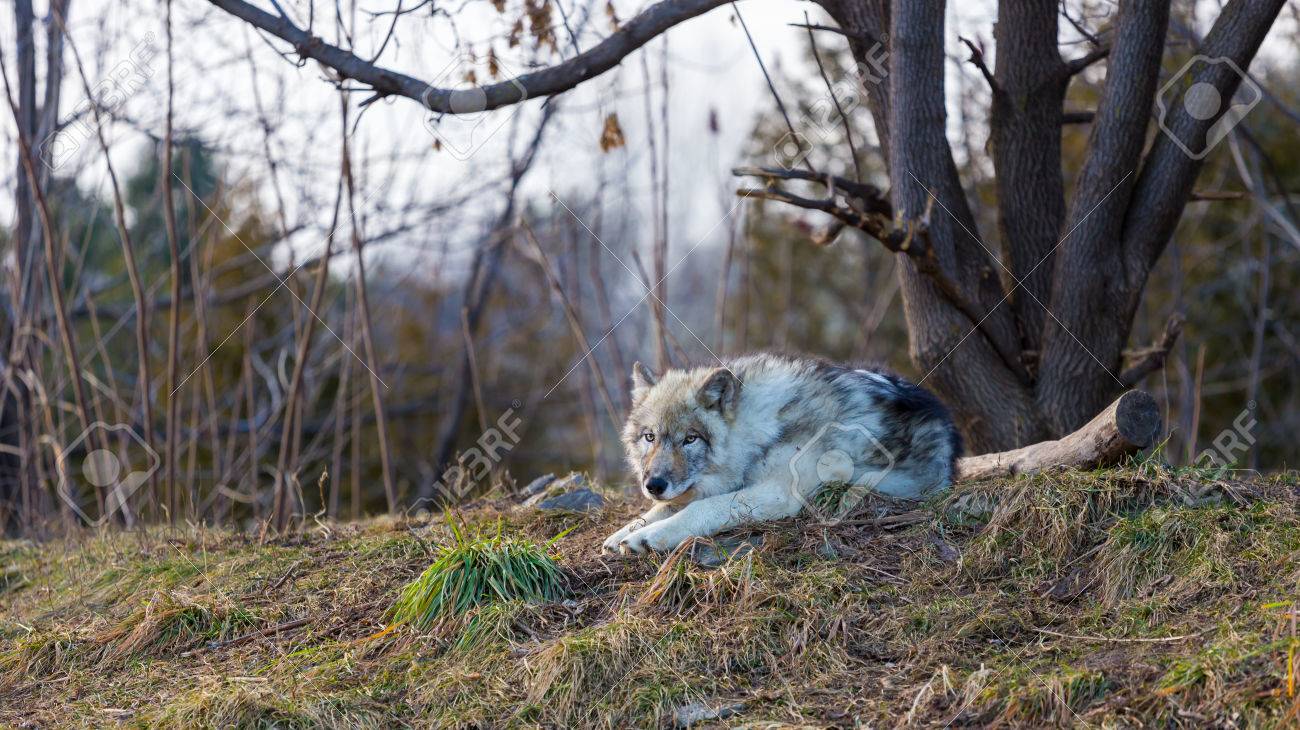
(475, 571)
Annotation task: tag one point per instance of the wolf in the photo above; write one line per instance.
(757, 438)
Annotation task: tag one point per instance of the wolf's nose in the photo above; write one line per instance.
(656, 486)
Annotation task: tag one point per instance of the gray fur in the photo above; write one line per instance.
(756, 438)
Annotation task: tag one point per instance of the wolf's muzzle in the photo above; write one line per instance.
(656, 486)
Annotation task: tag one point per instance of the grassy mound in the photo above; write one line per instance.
(476, 571)
(1136, 597)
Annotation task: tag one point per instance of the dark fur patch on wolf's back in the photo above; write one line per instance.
(911, 401)
(908, 405)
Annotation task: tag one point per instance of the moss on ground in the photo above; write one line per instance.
(1129, 597)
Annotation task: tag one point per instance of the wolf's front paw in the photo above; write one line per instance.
(661, 536)
(610, 545)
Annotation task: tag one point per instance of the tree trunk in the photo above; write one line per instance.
(1025, 138)
(967, 367)
(1092, 304)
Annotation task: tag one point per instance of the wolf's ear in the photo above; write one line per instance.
(720, 391)
(642, 380)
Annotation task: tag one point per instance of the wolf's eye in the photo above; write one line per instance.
(649, 437)
(690, 439)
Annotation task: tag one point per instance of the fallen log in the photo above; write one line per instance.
(1125, 427)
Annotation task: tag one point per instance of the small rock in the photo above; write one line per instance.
(554, 488)
(537, 485)
(697, 712)
(579, 500)
(946, 551)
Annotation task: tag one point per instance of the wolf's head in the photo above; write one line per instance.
(678, 428)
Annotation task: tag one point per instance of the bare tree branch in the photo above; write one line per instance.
(1079, 64)
(977, 60)
(600, 58)
(844, 119)
(908, 237)
(1152, 358)
(872, 198)
(1167, 176)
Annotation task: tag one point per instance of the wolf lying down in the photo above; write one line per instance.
(757, 439)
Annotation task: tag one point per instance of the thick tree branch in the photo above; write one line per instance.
(1169, 172)
(1089, 301)
(563, 76)
(873, 217)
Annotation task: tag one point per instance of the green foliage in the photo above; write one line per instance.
(475, 571)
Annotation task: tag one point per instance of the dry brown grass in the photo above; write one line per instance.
(1122, 598)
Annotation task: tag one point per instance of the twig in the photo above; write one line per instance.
(977, 60)
(1078, 26)
(658, 204)
(1083, 62)
(287, 574)
(873, 198)
(291, 420)
(770, 86)
(1153, 358)
(1120, 640)
(474, 380)
(270, 630)
(174, 314)
(66, 335)
(1217, 195)
(902, 519)
(848, 130)
(832, 29)
(539, 255)
(368, 343)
